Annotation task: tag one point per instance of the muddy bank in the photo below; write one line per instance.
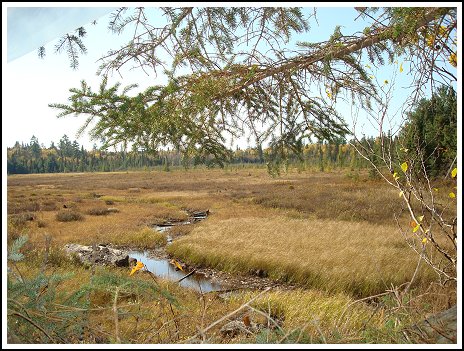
(226, 281)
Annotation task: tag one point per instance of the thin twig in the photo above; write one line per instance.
(116, 316)
(33, 323)
(228, 315)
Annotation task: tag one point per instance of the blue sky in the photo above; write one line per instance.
(31, 83)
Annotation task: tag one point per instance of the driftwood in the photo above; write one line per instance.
(440, 328)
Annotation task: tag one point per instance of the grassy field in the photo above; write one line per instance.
(333, 235)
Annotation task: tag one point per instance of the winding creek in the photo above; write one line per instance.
(158, 262)
(163, 268)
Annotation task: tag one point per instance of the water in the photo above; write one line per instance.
(194, 217)
(163, 269)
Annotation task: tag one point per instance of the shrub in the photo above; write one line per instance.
(24, 207)
(49, 206)
(41, 224)
(98, 211)
(68, 216)
(21, 219)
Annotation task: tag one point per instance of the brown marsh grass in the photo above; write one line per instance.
(319, 229)
(359, 258)
(324, 231)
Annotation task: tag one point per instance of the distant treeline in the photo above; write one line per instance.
(430, 132)
(67, 156)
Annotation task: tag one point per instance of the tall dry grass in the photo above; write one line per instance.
(320, 230)
(335, 256)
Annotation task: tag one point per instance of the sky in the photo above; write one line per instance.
(30, 83)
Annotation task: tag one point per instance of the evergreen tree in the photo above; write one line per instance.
(431, 130)
(226, 87)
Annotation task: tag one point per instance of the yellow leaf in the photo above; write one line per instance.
(416, 228)
(436, 189)
(395, 176)
(454, 172)
(400, 194)
(424, 241)
(404, 167)
(452, 195)
(177, 264)
(385, 81)
(453, 59)
(420, 218)
(401, 67)
(137, 267)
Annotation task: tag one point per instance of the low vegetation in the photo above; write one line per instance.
(337, 261)
(68, 216)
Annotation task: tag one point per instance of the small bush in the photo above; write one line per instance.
(32, 206)
(23, 207)
(49, 206)
(21, 219)
(41, 224)
(68, 216)
(109, 202)
(98, 211)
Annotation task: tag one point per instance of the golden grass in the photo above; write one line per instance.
(325, 231)
(336, 256)
(315, 311)
(317, 229)
(145, 238)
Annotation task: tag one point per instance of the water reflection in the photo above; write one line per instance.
(163, 269)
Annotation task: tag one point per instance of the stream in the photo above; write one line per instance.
(164, 269)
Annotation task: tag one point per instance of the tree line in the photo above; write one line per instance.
(431, 129)
(67, 156)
